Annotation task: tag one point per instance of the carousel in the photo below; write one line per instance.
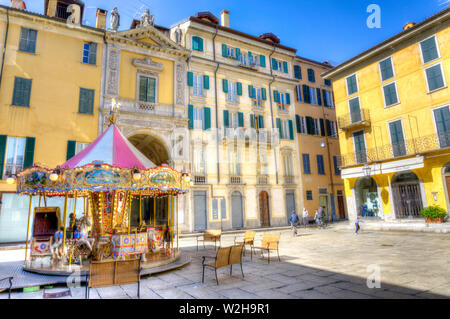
(110, 178)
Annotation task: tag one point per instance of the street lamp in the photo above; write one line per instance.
(322, 144)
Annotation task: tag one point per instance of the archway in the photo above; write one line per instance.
(407, 195)
(154, 211)
(237, 213)
(264, 215)
(368, 202)
(446, 178)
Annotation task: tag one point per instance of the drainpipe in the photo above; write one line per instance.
(215, 100)
(330, 170)
(4, 45)
(271, 108)
(103, 84)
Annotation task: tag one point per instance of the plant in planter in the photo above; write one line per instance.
(433, 214)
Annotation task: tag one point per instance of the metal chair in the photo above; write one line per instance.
(10, 285)
(269, 242)
(221, 260)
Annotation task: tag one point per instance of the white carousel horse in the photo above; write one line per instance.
(56, 247)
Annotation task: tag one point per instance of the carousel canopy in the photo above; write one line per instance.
(111, 148)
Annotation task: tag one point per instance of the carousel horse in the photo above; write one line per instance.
(82, 244)
(56, 247)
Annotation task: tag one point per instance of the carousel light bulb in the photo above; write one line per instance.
(136, 175)
(54, 177)
(10, 180)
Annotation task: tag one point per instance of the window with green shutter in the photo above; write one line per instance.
(262, 61)
(86, 102)
(319, 96)
(71, 147)
(226, 118)
(22, 91)
(285, 67)
(263, 94)
(429, 49)
(311, 76)
(352, 86)
(3, 139)
(225, 85)
(390, 94)
(197, 43)
(260, 121)
(224, 50)
(306, 94)
(250, 91)
(274, 64)
(147, 89)
(291, 130)
(90, 53)
(288, 99)
(435, 78)
(239, 88)
(386, 69)
(191, 116)
(252, 121)
(276, 96)
(280, 130)
(297, 72)
(206, 82)
(27, 42)
(240, 119)
(207, 123)
(190, 79)
(29, 152)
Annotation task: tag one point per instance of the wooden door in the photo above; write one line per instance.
(200, 211)
(264, 209)
(237, 213)
(341, 207)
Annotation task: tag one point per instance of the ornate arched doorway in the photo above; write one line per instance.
(154, 211)
(237, 213)
(367, 200)
(264, 215)
(407, 195)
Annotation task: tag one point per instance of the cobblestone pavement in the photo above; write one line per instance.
(330, 263)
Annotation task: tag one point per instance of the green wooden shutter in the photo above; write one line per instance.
(226, 119)
(225, 85)
(291, 130)
(288, 99)
(278, 121)
(239, 88)
(306, 95)
(3, 139)
(29, 152)
(285, 67)
(276, 97)
(322, 127)
(252, 121)
(429, 50)
(324, 96)
(274, 64)
(319, 96)
(22, 91)
(207, 123)
(200, 44)
(224, 50)
(71, 148)
(206, 82)
(240, 119)
(190, 79)
(297, 123)
(191, 116)
(297, 72)
(263, 94)
(262, 61)
(194, 43)
(238, 53)
(261, 121)
(143, 88)
(93, 53)
(250, 91)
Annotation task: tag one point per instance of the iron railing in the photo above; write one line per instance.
(262, 179)
(235, 180)
(199, 179)
(405, 148)
(289, 180)
(354, 119)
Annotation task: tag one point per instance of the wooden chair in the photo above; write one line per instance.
(269, 242)
(221, 260)
(10, 285)
(249, 239)
(113, 273)
(236, 257)
(210, 235)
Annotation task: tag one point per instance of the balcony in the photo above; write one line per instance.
(199, 179)
(235, 180)
(262, 179)
(133, 106)
(248, 62)
(354, 120)
(289, 180)
(409, 147)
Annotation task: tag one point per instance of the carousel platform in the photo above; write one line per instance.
(31, 277)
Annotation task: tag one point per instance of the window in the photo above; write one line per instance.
(300, 122)
(90, 53)
(337, 171)
(309, 195)
(61, 11)
(281, 102)
(312, 95)
(263, 163)
(397, 138)
(352, 84)
(197, 43)
(306, 164)
(320, 165)
(298, 93)
(199, 161)
(231, 52)
(15, 156)
(429, 49)
(297, 72)
(147, 89)
(287, 160)
(256, 97)
(285, 129)
(249, 60)
(235, 168)
(219, 211)
(355, 110)
(333, 128)
(360, 147)
(197, 88)
(328, 99)
(327, 82)
(435, 78)
(86, 103)
(386, 69)
(22, 92)
(316, 127)
(27, 41)
(311, 76)
(232, 92)
(80, 147)
(280, 66)
(390, 94)
(198, 118)
(442, 121)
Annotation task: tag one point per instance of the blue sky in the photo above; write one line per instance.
(333, 30)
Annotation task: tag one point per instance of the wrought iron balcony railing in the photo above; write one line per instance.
(199, 179)
(354, 120)
(262, 179)
(409, 147)
(235, 180)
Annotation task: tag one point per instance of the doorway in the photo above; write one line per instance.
(264, 209)
(290, 203)
(200, 210)
(407, 195)
(341, 206)
(237, 214)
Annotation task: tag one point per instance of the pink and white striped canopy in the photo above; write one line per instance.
(111, 148)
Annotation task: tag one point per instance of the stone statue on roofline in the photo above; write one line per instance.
(178, 35)
(115, 19)
(147, 19)
(18, 4)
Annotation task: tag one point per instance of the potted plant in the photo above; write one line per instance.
(433, 214)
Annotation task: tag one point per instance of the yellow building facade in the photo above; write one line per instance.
(392, 107)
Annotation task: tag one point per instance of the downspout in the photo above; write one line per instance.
(217, 111)
(4, 45)
(103, 84)
(271, 107)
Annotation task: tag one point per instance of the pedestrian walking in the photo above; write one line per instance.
(294, 222)
(357, 227)
(305, 216)
(318, 216)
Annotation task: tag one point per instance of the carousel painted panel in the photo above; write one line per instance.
(126, 245)
(155, 238)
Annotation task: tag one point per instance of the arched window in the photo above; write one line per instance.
(197, 43)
